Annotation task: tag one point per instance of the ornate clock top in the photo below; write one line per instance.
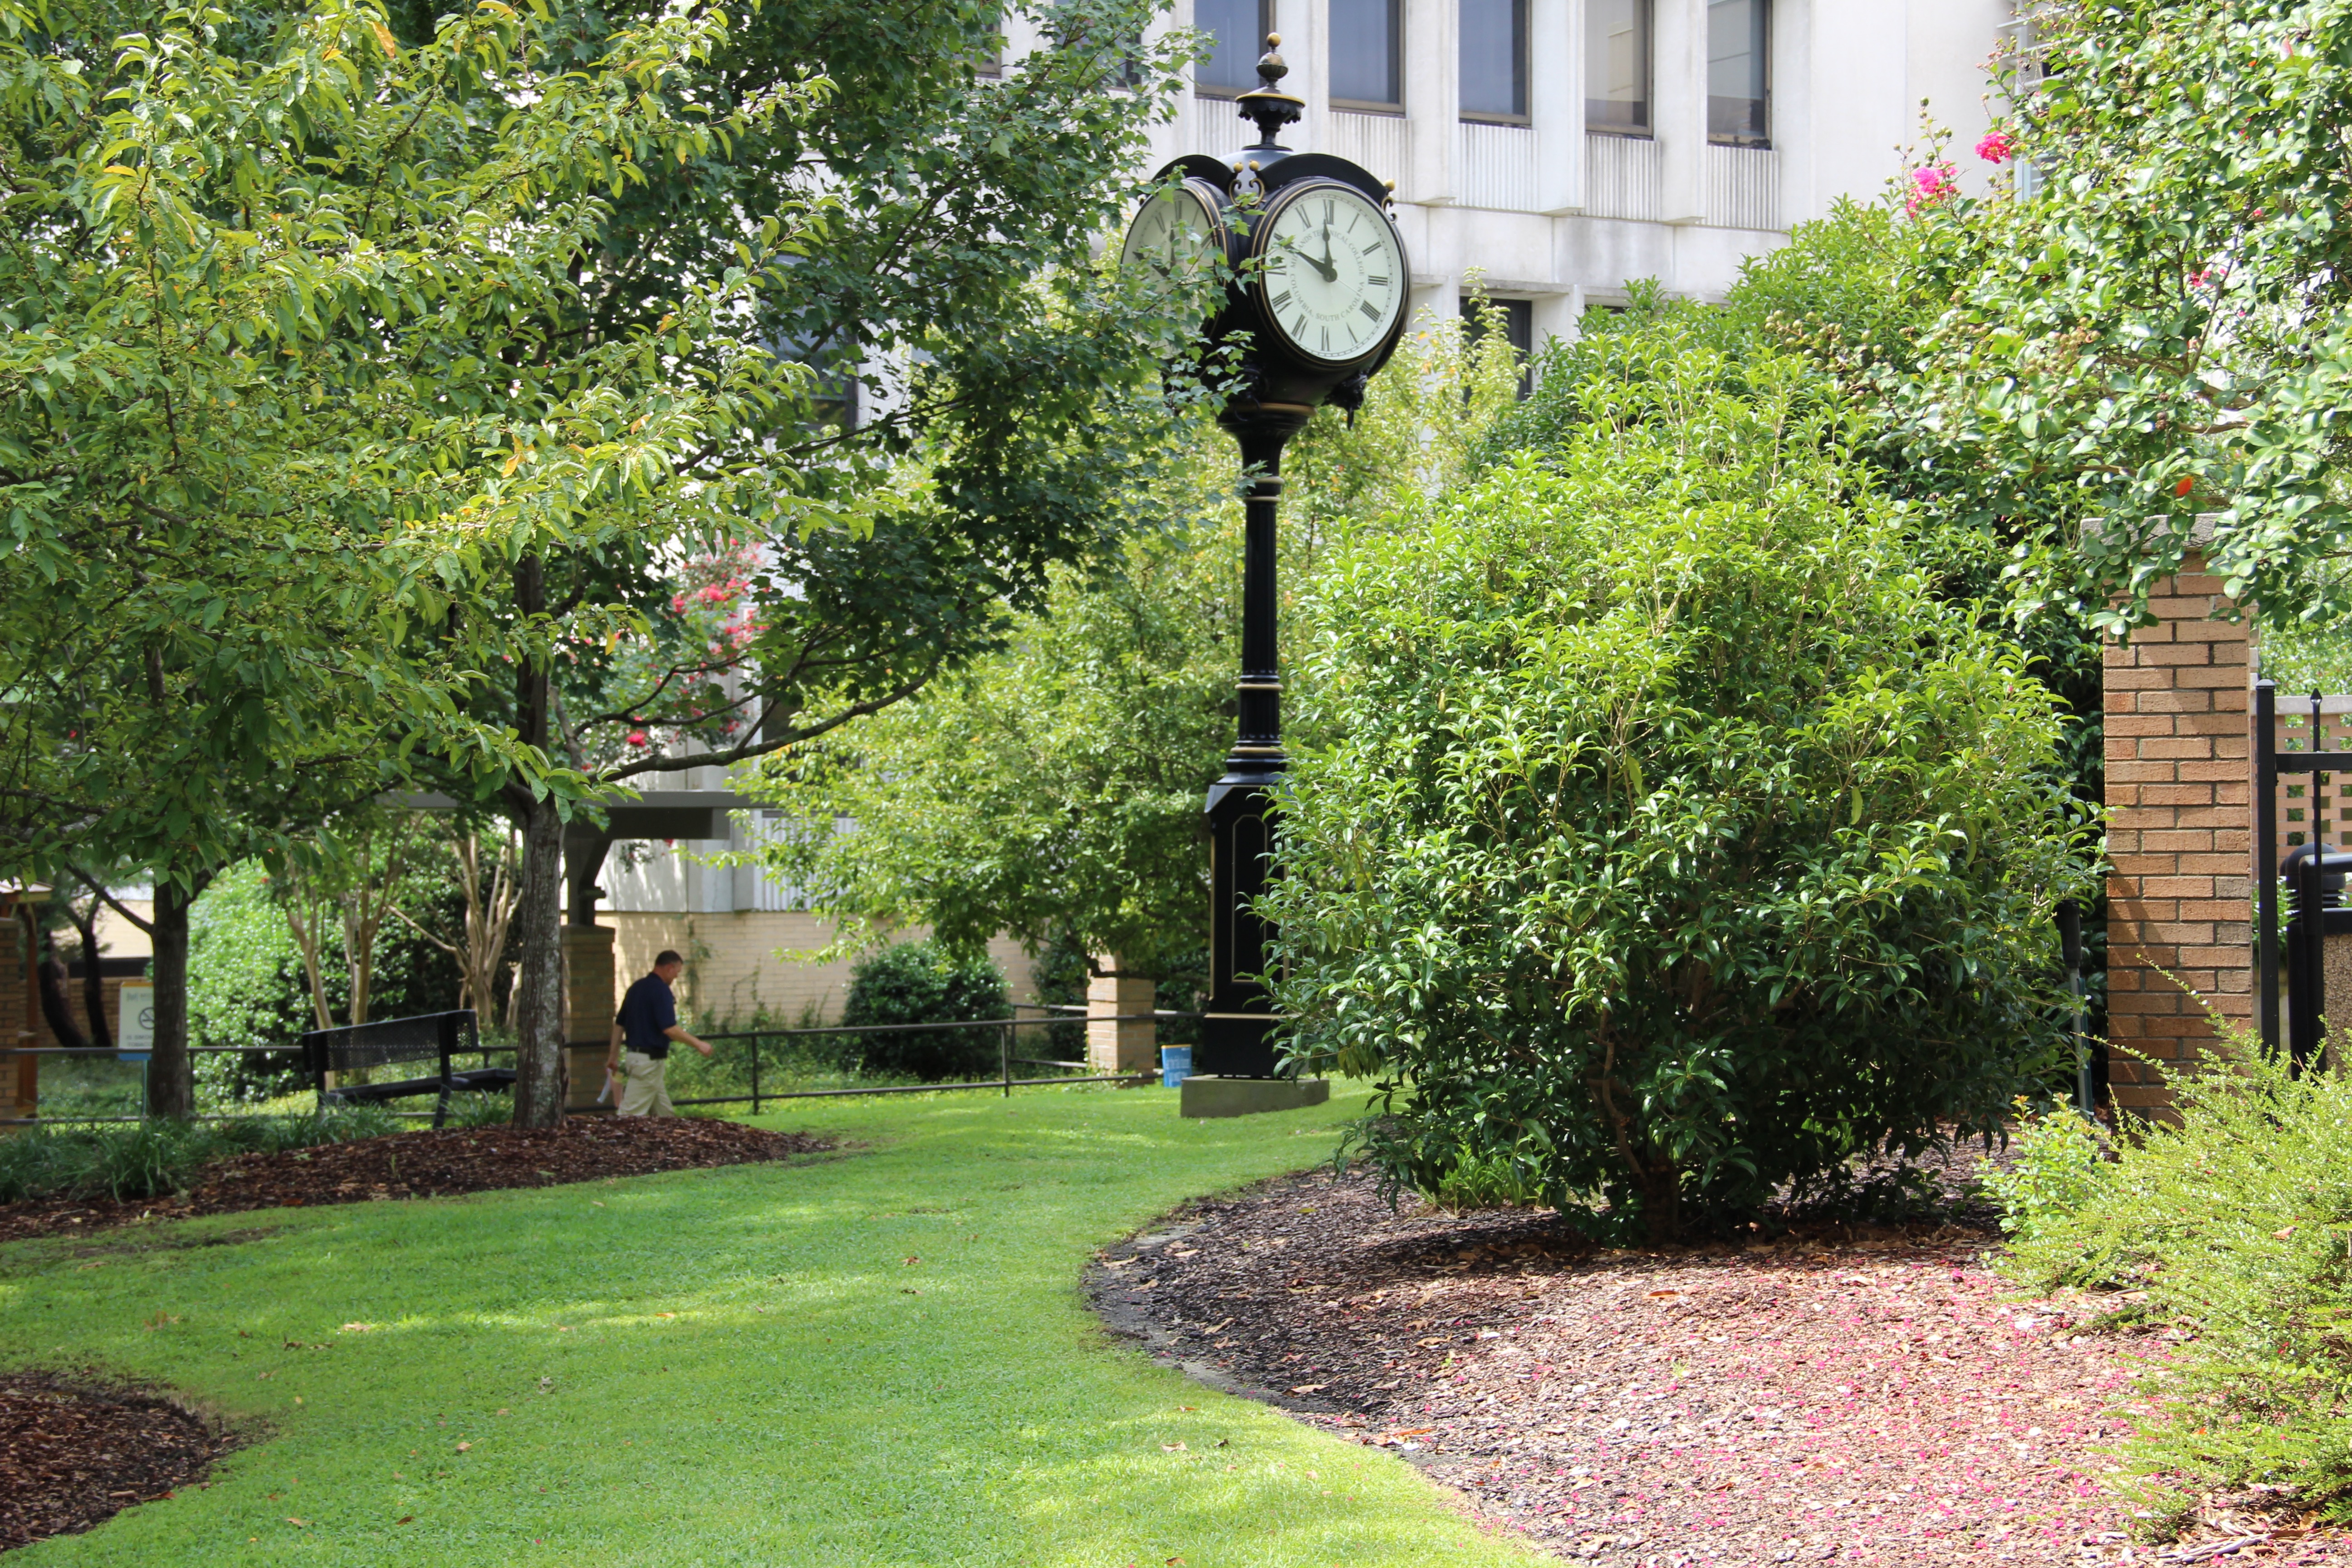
(1267, 103)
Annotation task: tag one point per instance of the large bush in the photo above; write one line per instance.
(1680, 844)
(928, 982)
(2232, 1225)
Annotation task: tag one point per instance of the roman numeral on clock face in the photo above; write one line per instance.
(1367, 308)
(1282, 300)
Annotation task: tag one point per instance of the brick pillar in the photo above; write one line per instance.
(2178, 834)
(20, 1017)
(589, 1002)
(1120, 1048)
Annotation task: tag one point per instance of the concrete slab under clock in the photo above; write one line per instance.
(1213, 1095)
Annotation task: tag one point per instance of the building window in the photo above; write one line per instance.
(1518, 328)
(1239, 27)
(1495, 59)
(1365, 52)
(1737, 83)
(1617, 66)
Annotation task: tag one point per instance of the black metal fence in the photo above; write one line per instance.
(757, 1094)
(1006, 1060)
(2313, 874)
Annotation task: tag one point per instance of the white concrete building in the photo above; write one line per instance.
(1564, 148)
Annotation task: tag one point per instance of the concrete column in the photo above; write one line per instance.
(1120, 1048)
(590, 1000)
(1556, 316)
(1306, 29)
(1679, 41)
(1442, 300)
(1556, 103)
(2178, 834)
(1792, 109)
(1433, 100)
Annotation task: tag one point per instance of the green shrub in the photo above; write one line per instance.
(2057, 1161)
(923, 982)
(2236, 1222)
(130, 1162)
(30, 1165)
(1680, 844)
(480, 1110)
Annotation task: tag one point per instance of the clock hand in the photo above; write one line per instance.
(1329, 273)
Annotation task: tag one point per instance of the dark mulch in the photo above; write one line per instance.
(1858, 1395)
(426, 1165)
(74, 1453)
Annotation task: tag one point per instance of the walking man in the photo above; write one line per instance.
(647, 1026)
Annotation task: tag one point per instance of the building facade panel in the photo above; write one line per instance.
(1739, 116)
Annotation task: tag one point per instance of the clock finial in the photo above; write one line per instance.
(1267, 103)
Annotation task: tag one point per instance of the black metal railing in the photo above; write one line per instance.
(757, 1094)
(2312, 875)
(1004, 1082)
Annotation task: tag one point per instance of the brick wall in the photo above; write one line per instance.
(17, 1012)
(2178, 834)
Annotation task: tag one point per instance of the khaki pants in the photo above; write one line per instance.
(644, 1092)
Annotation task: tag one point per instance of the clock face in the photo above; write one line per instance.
(1334, 283)
(1177, 234)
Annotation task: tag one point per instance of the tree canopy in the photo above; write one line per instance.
(278, 398)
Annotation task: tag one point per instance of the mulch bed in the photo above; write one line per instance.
(426, 1165)
(72, 1454)
(1863, 1395)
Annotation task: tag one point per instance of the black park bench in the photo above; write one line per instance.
(435, 1037)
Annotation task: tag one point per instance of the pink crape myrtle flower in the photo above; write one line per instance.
(636, 737)
(1930, 184)
(1995, 148)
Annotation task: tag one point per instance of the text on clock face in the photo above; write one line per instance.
(1334, 276)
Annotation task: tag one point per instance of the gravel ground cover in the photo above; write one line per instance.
(428, 1164)
(72, 1454)
(1852, 1394)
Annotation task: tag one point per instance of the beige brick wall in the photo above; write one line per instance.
(732, 967)
(1121, 1048)
(2178, 835)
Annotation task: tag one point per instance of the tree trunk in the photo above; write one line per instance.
(55, 1008)
(93, 984)
(171, 1074)
(536, 1010)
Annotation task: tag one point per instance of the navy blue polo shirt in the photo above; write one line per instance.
(645, 1012)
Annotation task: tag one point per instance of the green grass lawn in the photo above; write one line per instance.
(731, 1366)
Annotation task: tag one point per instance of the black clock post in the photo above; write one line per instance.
(1316, 305)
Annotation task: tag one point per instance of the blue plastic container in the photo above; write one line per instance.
(1175, 1065)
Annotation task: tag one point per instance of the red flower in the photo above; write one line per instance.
(1995, 147)
(636, 737)
(2187, 484)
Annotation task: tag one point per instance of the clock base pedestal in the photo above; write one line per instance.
(1205, 1097)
